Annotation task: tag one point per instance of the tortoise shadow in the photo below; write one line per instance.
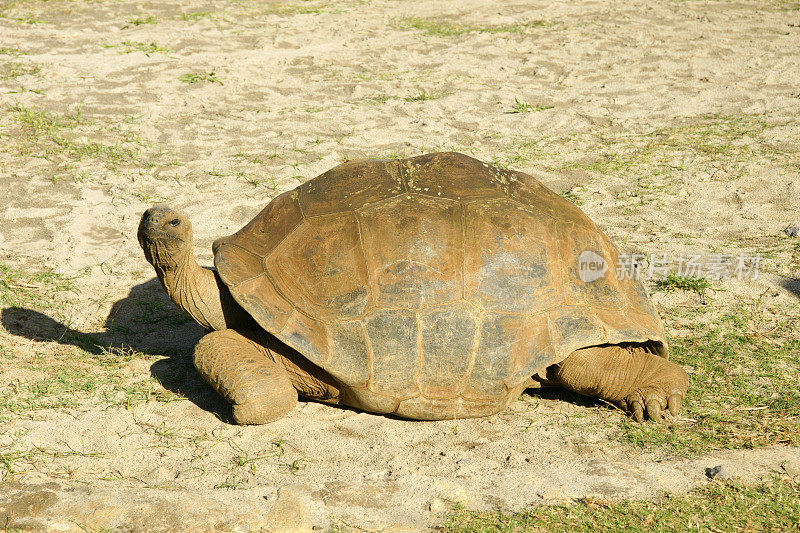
(792, 285)
(145, 321)
(561, 394)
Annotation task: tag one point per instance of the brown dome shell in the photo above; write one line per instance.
(437, 276)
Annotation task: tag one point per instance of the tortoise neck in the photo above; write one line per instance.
(201, 294)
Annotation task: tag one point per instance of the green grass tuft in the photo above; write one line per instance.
(675, 281)
(147, 48)
(423, 95)
(772, 505)
(40, 290)
(524, 107)
(197, 77)
(16, 69)
(141, 20)
(448, 29)
(195, 16)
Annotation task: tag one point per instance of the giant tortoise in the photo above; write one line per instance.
(431, 288)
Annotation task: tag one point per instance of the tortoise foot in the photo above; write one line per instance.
(660, 386)
(640, 382)
(241, 372)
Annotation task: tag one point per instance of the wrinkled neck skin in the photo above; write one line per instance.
(198, 291)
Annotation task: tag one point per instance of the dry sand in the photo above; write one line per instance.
(296, 89)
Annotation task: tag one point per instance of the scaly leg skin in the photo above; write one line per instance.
(241, 371)
(628, 375)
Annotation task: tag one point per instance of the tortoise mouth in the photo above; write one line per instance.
(153, 235)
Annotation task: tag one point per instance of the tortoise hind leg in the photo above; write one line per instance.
(240, 370)
(628, 375)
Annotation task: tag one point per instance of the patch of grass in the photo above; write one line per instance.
(709, 148)
(520, 150)
(241, 154)
(377, 100)
(256, 181)
(77, 370)
(11, 51)
(771, 505)
(39, 290)
(524, 107)
(442, 28)
(424, 95)
(195, 16)
(570, 195)
(15, 69)
(674, 281)
(743, 372)
(74, 377)
(46, 134)
(197, 77)
(140, 21)
(29, 19)
(286, 9)
(726, 139)
(147, 48)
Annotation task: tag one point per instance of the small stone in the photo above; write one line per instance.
(554, 496)
(792, 468)
(378, 476)
(438, 506)
(792, 230)
(716, 472)
(454, 493)
(289, 513)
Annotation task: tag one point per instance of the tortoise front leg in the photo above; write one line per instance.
(239, 368)
(628, 375)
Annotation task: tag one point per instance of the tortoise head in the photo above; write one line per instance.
(165, 236)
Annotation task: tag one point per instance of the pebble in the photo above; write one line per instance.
(792, 468)
(438, 506)
(289, 513)
(716, 472)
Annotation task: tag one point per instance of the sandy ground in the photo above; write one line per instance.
(216, 107)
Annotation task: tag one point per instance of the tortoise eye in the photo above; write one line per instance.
(174, 222)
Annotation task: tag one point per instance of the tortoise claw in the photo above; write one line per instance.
(653, 404)
(674, 403)
(638, 411)
(654, 409)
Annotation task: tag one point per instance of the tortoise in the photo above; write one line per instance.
(430, 288)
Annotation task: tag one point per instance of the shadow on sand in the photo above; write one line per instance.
(145, 321)
(792, 285)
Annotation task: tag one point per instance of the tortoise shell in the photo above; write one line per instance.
(434, 286)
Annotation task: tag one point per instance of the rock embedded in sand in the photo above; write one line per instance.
(289, 513)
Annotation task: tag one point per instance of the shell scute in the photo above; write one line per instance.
(393, 335)
(411, 272)
(448, 343)
(352, 362)
(308, 336)
(509, 262)
(320, 268)
(572, 326)
(466, 177)
(266, 305)
(350, 186)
